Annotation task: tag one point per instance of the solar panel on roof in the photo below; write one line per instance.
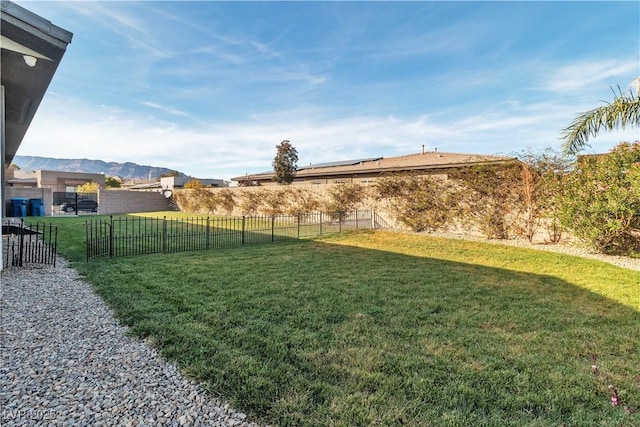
(339, 163)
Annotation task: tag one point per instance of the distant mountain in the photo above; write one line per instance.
(126, 170)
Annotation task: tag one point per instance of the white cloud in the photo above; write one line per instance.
(584, 75)
(67, 128)
(125, 20)
(164, 108)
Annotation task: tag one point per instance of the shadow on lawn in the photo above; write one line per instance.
(315, 333)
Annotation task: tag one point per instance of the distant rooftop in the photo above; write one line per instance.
(420, 161)
(338, 163)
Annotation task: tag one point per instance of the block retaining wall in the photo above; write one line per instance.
(124, 201)
(109, 201)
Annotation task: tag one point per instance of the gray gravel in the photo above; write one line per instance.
(65, 361)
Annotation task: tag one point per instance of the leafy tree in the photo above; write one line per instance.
(112, 182)
(602, 200)
(88, 187)
(623, 112)
(193, 184)
(285, 163)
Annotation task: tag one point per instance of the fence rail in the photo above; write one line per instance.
(75, 203)
(115, 237)
(27, 244)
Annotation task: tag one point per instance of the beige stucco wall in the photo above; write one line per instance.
(123, 201)
(380, 207)
(109, 201)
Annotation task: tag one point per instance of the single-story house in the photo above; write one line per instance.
(141, 185)
(20, 178)
(67, 181)
(59, 181)
(366, 171)
(31, 49)
(176, 182)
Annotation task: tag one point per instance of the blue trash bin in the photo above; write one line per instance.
(18, 207)
(36, 207)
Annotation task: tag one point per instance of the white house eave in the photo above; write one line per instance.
(8, 44)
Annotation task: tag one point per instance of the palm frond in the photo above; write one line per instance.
(623, 112)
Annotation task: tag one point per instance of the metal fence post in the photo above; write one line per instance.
(86, 238)
(208, 234)
(298, 225)
(53, 244)
(111, 237)
(321, 223)
(243, 225)
(273, 227)
(164, 235)
(21, 243)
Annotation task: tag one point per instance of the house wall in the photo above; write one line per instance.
(171, 182)
(59, 181)
(354, 178)
(123, 201)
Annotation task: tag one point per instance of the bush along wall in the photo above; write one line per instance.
(544, 196)
(279, 200)
(601, 204)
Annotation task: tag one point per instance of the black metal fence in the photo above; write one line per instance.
(74, 203)
(124, 236)
(25, 244)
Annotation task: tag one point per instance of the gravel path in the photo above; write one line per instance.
(65, 361)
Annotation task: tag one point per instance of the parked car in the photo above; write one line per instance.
(83, 205)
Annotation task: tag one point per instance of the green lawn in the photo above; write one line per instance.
(385, 329)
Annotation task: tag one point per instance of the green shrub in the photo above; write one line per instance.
(602, 199)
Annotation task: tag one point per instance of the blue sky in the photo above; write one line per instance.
(210, 88)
